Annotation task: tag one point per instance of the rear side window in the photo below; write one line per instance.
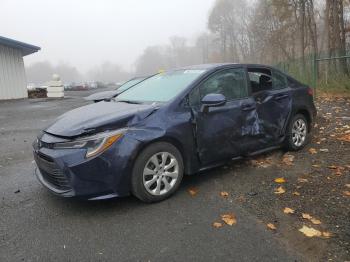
(231, 83)
(260, 79)
(279, 81)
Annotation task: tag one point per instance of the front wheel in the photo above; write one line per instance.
(157, 172)
(297, 133)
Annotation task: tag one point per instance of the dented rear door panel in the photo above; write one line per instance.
(273, 108)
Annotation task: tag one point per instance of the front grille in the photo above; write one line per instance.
(51, 173)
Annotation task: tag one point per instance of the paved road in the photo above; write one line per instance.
(37, 226)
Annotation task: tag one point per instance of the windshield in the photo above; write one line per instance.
(162, 87)
(130, 83)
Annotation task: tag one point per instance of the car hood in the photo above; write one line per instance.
(99, 117)
(103, 95)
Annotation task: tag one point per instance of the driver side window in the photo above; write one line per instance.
(231, 83)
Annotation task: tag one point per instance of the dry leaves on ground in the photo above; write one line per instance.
(229, 219)
(345, 138)
(315, 221)
(262, 162)
(306, 216)
(312, 151)
(310, 232)
(326, 234)
(296, 193)
(279, 190)
(288, 210)
(288, 159)
(337, 169)
(311, 219)
(224, 194)
(217, 224)
(346, 193)
(271, 226)
(193, 191)
(302, 180)
(280, 180)
(332, 167)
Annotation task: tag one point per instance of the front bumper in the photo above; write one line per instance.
(67, 173)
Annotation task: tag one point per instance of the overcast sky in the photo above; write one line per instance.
(85, 33)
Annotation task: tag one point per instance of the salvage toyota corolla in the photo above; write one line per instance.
(178, 122)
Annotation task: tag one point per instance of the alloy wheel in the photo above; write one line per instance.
(299, 132)
(160, 173)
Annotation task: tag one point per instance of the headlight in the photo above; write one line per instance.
(93, 144)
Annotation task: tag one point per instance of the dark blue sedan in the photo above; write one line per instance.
(178, 122)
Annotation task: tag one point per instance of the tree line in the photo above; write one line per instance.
(264, 31)
(241, 31)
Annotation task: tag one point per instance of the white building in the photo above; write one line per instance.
(13, 83)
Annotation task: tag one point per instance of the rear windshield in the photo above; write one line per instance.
(162, 87)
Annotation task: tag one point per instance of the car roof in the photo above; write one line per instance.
(219, 65)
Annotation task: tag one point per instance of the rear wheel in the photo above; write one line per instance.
(297, 133)
(157, 172)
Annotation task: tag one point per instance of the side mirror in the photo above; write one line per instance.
(212, 100)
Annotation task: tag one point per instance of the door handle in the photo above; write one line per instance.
(281, 96)
(248, 107)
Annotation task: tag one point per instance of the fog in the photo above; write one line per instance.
(112, 41)
(87, 34)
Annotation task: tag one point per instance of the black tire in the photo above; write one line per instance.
(289, 144)
(138, 188)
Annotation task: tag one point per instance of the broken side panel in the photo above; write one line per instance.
(227, 131)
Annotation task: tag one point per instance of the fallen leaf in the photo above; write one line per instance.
(345, 138)
(193, 191)
(332, 167)
(288, 210)
(261, 162)
(280, 190)
(346, 193)
(302, 180)
(271, 226)
(288, 159)
(280, 180)
(315, 221)
(229, 219)
(306, 216)
(296, 193)
(324, 150)
(326, 234)
(347, 185)
(312, 151)
(224, 194)
(217, 224)
(316, 166)
(310, 232)
(338, 172)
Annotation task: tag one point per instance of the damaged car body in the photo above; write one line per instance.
(182, 121)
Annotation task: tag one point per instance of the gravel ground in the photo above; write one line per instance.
(37, 226)
(317, 183)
